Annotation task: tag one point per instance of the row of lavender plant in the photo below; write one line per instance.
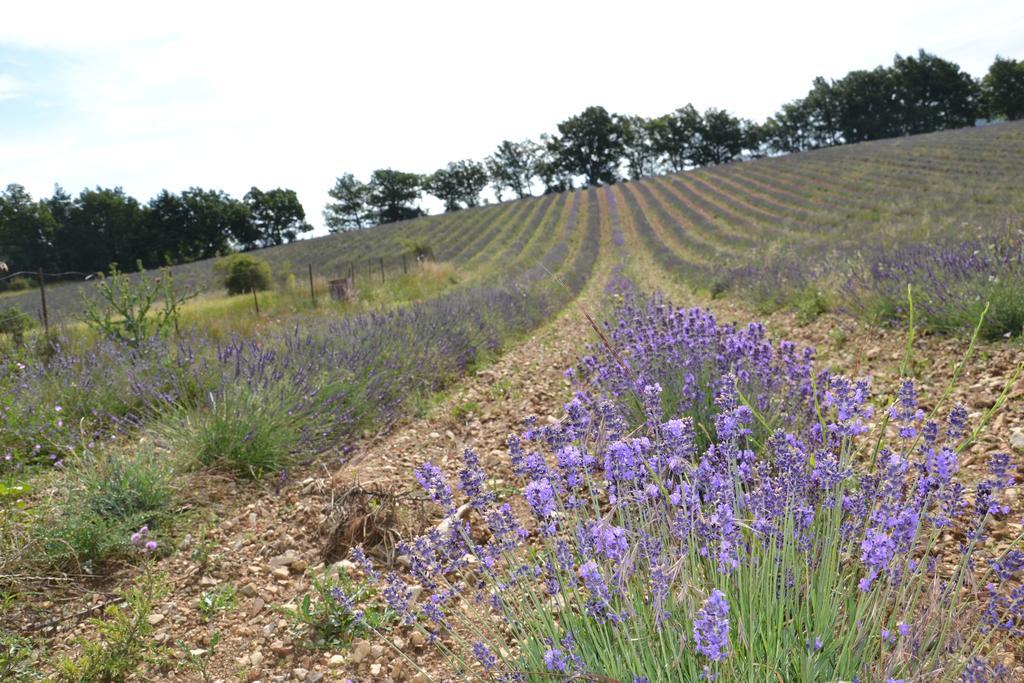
(954, 279)
(287, 392)
(834, 544)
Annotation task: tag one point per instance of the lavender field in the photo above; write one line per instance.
(547, 470)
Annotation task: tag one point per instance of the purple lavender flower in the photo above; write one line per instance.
(541, 498)
(711, 627)
(609, 541)
(484, 655)
(433, 482)
(554, 660)
(471, 481)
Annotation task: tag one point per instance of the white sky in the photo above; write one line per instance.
(227, 95)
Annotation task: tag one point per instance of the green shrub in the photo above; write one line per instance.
(18, 284)
(15, 322)
(419, 249)
(238, 430)
(123, 641)
(810, 303)
(112, 495)
(220, 599)
(243, 273)
(126, 310)
(325, 617)
(18, 658)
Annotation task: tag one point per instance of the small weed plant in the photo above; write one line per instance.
(213, 602)
(336, 610)
(122, 643)
(109, 496)
(128, 311)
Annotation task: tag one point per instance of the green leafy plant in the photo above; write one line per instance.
(220, 599)
(198, 659)
(111, 495)
(809, 304)
(202, 553)
(15, 322)
(326, 616)
(464, 410)
(122, 643)
(243, 273)
(128, 311)
(18, 658)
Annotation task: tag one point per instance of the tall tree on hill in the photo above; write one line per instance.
(674, 137)
(27, 230)
(277, 217)
(824, 110)
(789, 129)
(513, 166)
(638, 146)
(102, 226)
(933, 94)
(591, 145)
(213, 220)
(553, 166)
(392, 194)
(460, 183)
(194, 225)
(1003, 89)
(721, 138)
(868, 108)
(349, 210)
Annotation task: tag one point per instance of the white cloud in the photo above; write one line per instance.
(10, 87)
(230, 95)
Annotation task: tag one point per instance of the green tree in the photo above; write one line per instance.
(933, 94)
(243, 273)
(868, 109)
(27, 230)
(213, 220)
(789, 130)
(277, 217)
(591, 145)
(513, 166)
(553, 166)
(349, 210)
(460, 183)
(1003, 89)
(823, 110)
(721, 138)
(102, 227)
(674, 137)
(392, 195)
(638, 146)
(194, 225)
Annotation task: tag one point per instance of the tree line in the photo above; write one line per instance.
(104, 226)
(916, 94)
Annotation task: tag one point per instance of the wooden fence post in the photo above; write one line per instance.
(404, 269)
(312, 293)
(256, 301)
(42, 295)
(382, 269)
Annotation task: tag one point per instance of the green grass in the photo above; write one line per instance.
(108, 497)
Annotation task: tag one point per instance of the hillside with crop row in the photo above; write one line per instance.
(768, 229)
(572, 456)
